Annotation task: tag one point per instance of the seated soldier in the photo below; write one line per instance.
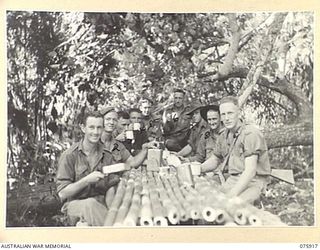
(199, 126)
(80, 171)
(139, 132)
(243, 151)
(120, 133)
(151, 122)
(208, 139)
(176, 127)
(119, 153)
(122, 125)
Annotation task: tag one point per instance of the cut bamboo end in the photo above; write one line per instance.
(173, 216)
(160, 221)
(254, 220)
(146, 222)
(221, 216)
(209, 214)
(183, 215)
(195, 214)
(240, 217)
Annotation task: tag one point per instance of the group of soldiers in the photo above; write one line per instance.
(233, 152)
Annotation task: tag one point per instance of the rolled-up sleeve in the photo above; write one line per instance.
(254, 144)
(220, 145)
(125, 154)
(201, 151)
(66, 172)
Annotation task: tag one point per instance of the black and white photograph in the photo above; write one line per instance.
(136, 119)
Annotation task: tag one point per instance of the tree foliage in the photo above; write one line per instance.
(60, 64)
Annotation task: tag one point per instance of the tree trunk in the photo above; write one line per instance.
(298, 134)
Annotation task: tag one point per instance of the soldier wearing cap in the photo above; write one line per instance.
(199, 126)
(208, 140)
(119, 152)
(81, 185)
(177, 125)
(242, 152)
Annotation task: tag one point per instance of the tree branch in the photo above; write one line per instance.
(226, 67)
(265, 51)
(294, 94)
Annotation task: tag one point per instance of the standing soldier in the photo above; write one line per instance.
(243, 152)
(208, 140)
(199, 126)
(177, 125)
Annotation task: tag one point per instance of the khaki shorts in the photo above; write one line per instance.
(253, 190)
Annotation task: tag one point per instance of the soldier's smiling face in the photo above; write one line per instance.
(229, 115)
(92, 129)
(213, 119)
(135, 117)
(110, 121)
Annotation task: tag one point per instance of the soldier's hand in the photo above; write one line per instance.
(130, 127)
(94, 177)
(121, 137)
(152, 144)
(127, 166)
(179, 156)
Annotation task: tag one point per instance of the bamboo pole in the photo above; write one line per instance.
(123, 210)
(157, 209)
(146, 211)
(111, 215)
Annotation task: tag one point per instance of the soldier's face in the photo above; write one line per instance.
(178, 99)
(123, 124)
(135, 117)
(213, 118)
(145, 108)
(92, 129)
(110, 121)
(229, 115)
(196, 118)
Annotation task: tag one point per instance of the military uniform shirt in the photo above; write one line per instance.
(73, 166)
(152, 125)
(179, 127)
(249, 141)
(207, 145)
(195, 135)
(119, 152)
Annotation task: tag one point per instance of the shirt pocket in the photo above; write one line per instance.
(116, 156)
(209, 150)
(238, 150)
(81, 171)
